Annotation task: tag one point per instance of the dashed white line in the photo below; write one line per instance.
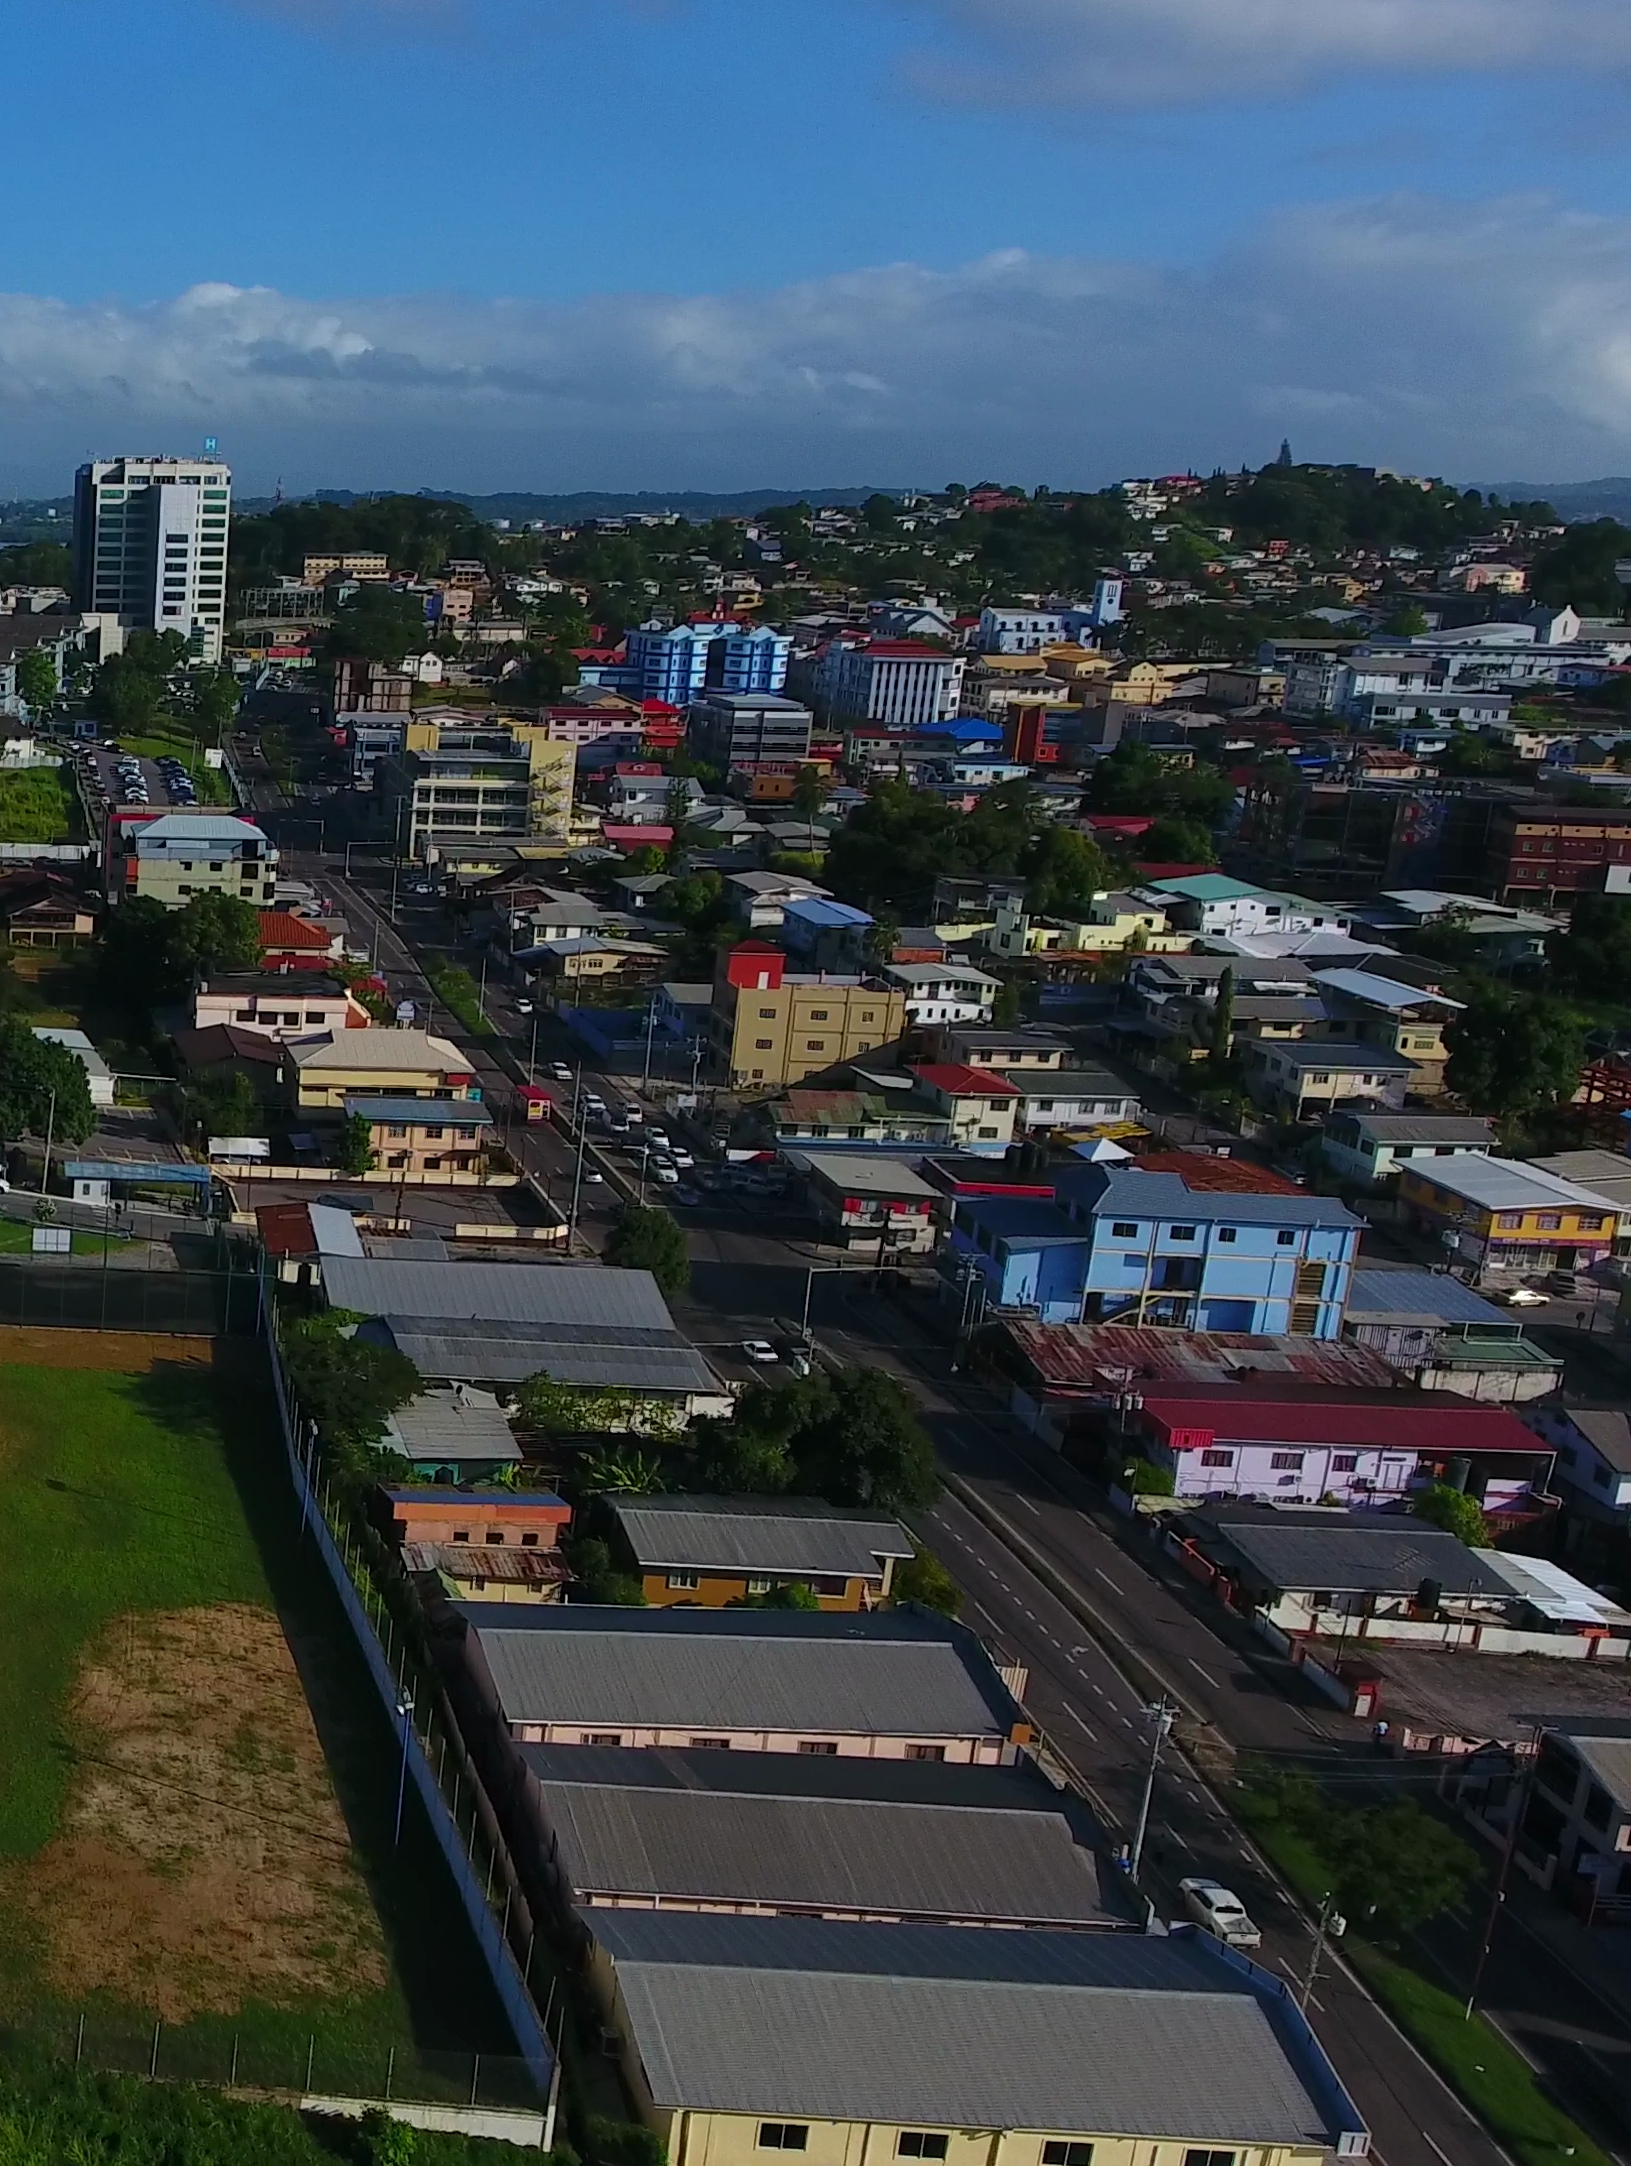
(1207, 1674)
(1085, 1727)
(1029, 1506)
(1439, 2148)
(1108, 1581)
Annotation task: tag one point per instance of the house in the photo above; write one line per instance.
(819, 934)
(289, 942)
(282, 1003)
(981, 1104)
(682, 1009)
(376, 1064)
(473, 1546)
(1445, 1337)
(1373, 1009)
(98, 1075)
(867, 1198)
(1051, 1098)
(1005, 1047)
(421, 1136)
(1022, 1252)
(704, 1552)
(1606, 1175)
(1302, 1080)
(174, 856)
(723, 1842)
(586, 1325)
(946, 992)
(1308, 1444)
(1371, 1147)
(1212, 903)
(589, 958)
(758, 899)
(773, 1026)
(1175, 1240)
(297, 1237)
(453, 1436)
(41, 909)
(1501, 1216)
(227, 1049)
(1593, 1446)
(882, 1114)
(869, 2041)
(892, 1684)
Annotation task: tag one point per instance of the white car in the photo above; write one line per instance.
(666, 1175)
(682, 1158)
(560, 1071)
(1524, 1297)
(759, 1350)
(658, 1138)
(1220, 1911)
(523, 1007)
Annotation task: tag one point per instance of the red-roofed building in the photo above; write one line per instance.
(635, 838)
(1200, 1170)
(904, 684)
(1117, 826)
(291, 943)
(981, 1104)
(662, 727)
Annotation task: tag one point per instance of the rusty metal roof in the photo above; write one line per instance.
(1097, 1357)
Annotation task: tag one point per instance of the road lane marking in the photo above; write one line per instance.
(1207, 1674)
(1439, 2148)
(1085, 1727)
(1029, 1506)
(1108, 1581)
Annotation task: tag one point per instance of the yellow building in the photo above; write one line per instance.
(861, 2044)
(460, 779)
(1115, 921)
(376, 1064)
(770, 1027)
(703, 1552)
(1505, 1216)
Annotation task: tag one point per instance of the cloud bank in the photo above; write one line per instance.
(1406, 332)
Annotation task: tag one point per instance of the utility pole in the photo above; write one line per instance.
(50, 1130)
(1331, 1926)
(481, 990)
(651, 1025)
(577, 1171)
(532, 1050)
(1498, 1898)
(1162, 1713)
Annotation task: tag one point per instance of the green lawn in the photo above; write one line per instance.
(17, 1239)
(455, 988)
(172, 738)
(142, 1496)
(37, 804)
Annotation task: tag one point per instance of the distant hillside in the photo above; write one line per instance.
(519, 506)
(1573, 501)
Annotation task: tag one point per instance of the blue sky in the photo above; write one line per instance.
(666, 243)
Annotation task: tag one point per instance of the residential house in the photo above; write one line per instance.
(911, 2036)
(419, 1137)
(1503, 1217)
(1004, 1046)
(1372, 1009)
(758, 899)
(1607, 1174)
(173, 856)
(1059, 1098)
(772, 1026)
(289, 942)
(981, 1105)
(1593, 1446)
(1214, 904)
(819, 934)
(891, 1683)
(1306, 1079)
(227, 1049)
(1371, 1147)
(588, 957)
(944, 992)
(40, 908)
(282, 1003)
(1445, 1337)
(497, 1545)
(880, 1115)
(376, 1064)
(867, 1199)
(705, 1552)
(452, 1437)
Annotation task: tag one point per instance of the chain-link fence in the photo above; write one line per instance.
(288, 2064)
(80, 1294)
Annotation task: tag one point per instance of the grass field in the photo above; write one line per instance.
(37, 804)
(17, 1239)
(197, 1786)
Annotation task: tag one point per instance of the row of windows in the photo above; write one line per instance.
(494, 1537)
(1283, 1462)
(1125, 1230)
(926, 2143)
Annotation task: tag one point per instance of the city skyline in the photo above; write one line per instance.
(475, 244)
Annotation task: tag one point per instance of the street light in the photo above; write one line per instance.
(404, 1708)
(1163, 1714)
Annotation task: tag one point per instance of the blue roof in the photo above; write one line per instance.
(1125, 1191)
(1375, 1294)
(1022, 1221)
(151, 1173)
(812, 910)
(441, 1112)
(961, 726)
(473, 1496)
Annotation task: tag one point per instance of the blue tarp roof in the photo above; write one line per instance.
(151, 1173)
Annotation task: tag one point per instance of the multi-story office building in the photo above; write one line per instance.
(176, 855)
(769, 1026)
(509, 781)
(150, 544)
(901, 683)
(745, 729)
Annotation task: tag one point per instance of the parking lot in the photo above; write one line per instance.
(112, 778)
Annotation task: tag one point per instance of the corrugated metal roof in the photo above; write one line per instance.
(607, 1677)
(1125, 1191)
(429, 1112)
(1378, 992)
(1501, 1184)
(929, 1861)
(924, 2026)
(1377, 1295)
(595, 1356)
(1354, 1557)
(451, 1425)
(740, 1534)
(1430, 1422)
(1608, 1430)
(529, 1293)
(379, 1050)
(466, 1561)
(1095, 1356)
(1557, 1594)
(1420, 1127)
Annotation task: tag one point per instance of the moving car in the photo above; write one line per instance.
(560, 1071)
(759, 1350)
(1524, 1297)
(1220, 1911)
(523, 1007)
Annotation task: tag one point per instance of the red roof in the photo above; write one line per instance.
(282, 929)
(1221, 1176)
(961, 1082)
(637, 838)
(285, 1229)
(1129, 824)
(904, 649)
(658, 706)
(1171, 872)
(1435, 1425)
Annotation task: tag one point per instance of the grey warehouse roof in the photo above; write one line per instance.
(531, 1293)
(927, 2026)
(744, 1534)
(928, 1861)
(599, 1356)
(857, 1676)
(1378, 1295)
(1368, 1557)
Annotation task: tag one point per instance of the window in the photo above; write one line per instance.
(397, 1128)
(1510, 1221)
(1121, 1231)
(529, 1539)
(819, 1015)
(1067, 2154)
(461, 1534)
(1600, 1476)
(758, 1586)
(762, 1045)
(1344, 1462)
(684, 1579)
(603, 1737)
(786, 2135)
(822, 1745)
(1286, 1462)
(495, 1537)
(1209, 2158)
(767, 1015)
(433, 1135)
(1226, 1233)
(1217, 1459)
(925, 1752)
(988, 1135)
(243, 1015)
(815, 1045)
(920, 2143)
(1183, 1233)
(1549, 1221)
(314, 1015)
(711, 1744)
(1286, 1237)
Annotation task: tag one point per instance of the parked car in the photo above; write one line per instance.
(759, 1350)
(1220, 1911)
(682, 1158)
(665, 1175)
(690, 1197)
(658, 1139)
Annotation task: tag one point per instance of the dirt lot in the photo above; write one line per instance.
(203, 1862)
(134, 1352)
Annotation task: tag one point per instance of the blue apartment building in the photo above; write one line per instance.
(1121, 1245)
(677, 663)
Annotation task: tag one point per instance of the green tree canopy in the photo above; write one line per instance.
(1578, 571)
(1592, 955)
(41, 1086)
(646, 1238)
(140, 964)
(596, 1578)
(378, 624)
(36, 678)
(923, 1578)
(217, 934)
(349, 1386)
(866, 1446)
(1063, 871)
(1511, 1053)
(1176, 839)
(354, 1149)
(1453, 1511)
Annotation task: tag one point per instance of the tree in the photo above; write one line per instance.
(141, 965)
(649, 1239)
(1063, 871)
(223, 1105)
(1223, 1019)
(1007, 1008)
(42, 1086)
(379, 624)
(1174, 839)
(595, 1578)
(1408, 622)
(866, 1445)
(1593, 954)
(1510, 1053)
(923, 1578)
(36, 678)
(124, 697)
(1578, 571)
(1454, 1511)
(792, 1594)
(809, 795)
(1397, 1866)
(349, 1386)
(218, 934)
(354, 1151)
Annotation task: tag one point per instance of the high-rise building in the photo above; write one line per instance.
(150, 543)
(677, 662)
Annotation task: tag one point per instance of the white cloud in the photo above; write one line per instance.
(1147, 52)
(1438, 337)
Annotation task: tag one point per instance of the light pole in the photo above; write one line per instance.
(50, 1129)
(577, 1171)
(481, 990)
(404, 1708)
(532, 1051)
(1162, 1713)
(1332, 1925)
(651, 1025)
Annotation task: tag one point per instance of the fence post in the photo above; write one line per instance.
(390, 2070)
(232, 2079)
(311, 2056)
(475, 2076)
(153, 2060)
(79, 2039)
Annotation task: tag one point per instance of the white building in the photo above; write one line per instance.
(150, 545)
(944, 992)
(901, 683)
